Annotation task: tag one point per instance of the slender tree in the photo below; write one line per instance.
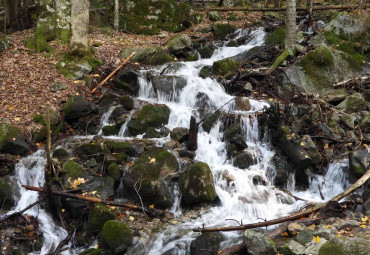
(78, 44)
(290, 24)
(116, 15)
(5, 13)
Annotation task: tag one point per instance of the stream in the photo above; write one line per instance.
(240, 199)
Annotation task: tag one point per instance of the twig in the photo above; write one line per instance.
(22, 211)
(137, 192)
(358, 126)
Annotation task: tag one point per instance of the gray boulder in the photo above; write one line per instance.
(12, 140)
(206, 241)
(346, 245)
(258, 243)
(76, 107)
(359, 162)
(353, 103)
(168, 84)
(148, 56)
(127, 80)
(179, 44)
(244, 160)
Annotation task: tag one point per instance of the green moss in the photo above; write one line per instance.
(148, 55)
(8, 133)
(115, 234)
(119, 147)
(127, 102)
(98, 215)
(91, 251)
(69, 64)
(277, 37)
(222, 30)
(114, 171)
(193, 57)
(88, 150)
(39, 119)
(225, 66)
(110, 130)
(232, 43)
(232, 17)
(74, 170)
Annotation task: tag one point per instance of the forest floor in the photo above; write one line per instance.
(26, 77)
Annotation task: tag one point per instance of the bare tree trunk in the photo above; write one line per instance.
(5, 13)
(78, 44)
(193, 134)
(290, 24)
(116, 15)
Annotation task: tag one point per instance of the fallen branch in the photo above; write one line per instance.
(112, 73)
(305, 9)
(15, 214)
(296, 216)
(360, 79)
(232, 250)
(151, 212)
(286, 53)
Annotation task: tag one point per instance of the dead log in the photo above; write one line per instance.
(304, 9)
(16, 214)
(112, 73)
(149, 211)
(296, 216)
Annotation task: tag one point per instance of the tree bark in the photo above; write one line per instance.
(5, 14)
(116, 15)
(78, 44)
(290, 24)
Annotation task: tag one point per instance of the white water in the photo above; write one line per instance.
(240, 199)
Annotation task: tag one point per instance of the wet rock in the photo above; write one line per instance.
(232, 131)
(103, 186)
(353, 103)
(179, 134)
(127, 80)
(168, 84)
(214, 16)
(283, 170)
(225, 66)
(60, 153)
(127, 102)
(98, 215)
(232, 43)
(148, 56)
(244, 160)
(293, 248)
(149, 116)
(76, 107)
(111, 130)
(88, 150)
(12, 140)
(346, 245)
(109, 98)
(348, 120)
(121, 147)
(114, 171)
(8, 192)
(187, 154)
(311, 149)
(151, 169)
(304, 236)
(223, 30)
(335, 96)
(206, 241)
(258, 243)
(179, 44)
(254, 53)
(196, 184)
(119, 116)
(296, 227)
(89, 124)
(207, 50)
(115, 237)
(259, 180)
(242, 104)
(238, 142)
(210, 121)
(343, 224)
(358, 162)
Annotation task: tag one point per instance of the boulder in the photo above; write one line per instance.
(88, 150)
(296, 227)
(348, 120)
(127, 102)
(179, 44)
(283, 169)
(12, 140)
(168, 84)
(187, 154)
(353, 103)
(206, 241)
(89, 124)
(121, 147)
(196, 184)
(148, 56)
(103, 186)
(60, 154)
(156, 133)
(232, 131)
(223, 30)
(365, 123)
(293, 248)
(346, 245)
(72, 171)
(127, 80)
(151, 169)
(76, 107)
(111, 130)
(346, 26)
(335, 96)
(98, 215)
(210, 121)
(304, 236)
(225, 66)
(258, 243)
(311, 149)
(179, 134)
(359, 162)
(242, 104)
(115, 237)
(244, 160)
(8, 192)
(149, 116)
(114, 171)
(207, 50)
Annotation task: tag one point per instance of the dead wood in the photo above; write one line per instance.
(115, 70)
(151, 212)
(16, 214)
(296, 216)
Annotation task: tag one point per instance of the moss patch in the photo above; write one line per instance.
(98, 215)
(277, 37)
(225, 66)
(115, 236)
(74, 170)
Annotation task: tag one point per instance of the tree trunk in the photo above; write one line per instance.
(78, 44)
(290, 24)
(193, 134)
(5, 13)
(116, 15)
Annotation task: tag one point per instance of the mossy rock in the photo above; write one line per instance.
(127, 102)
(74, 170)
(115, 171)
(98, 215)
(353, 103)
(115, 236)
(8, 192)
(196, 184)
(150, 169)
(111, 130)
(197, 18)
(232, 131)
(88, 150)
(60, 153)
(232, 43)
(12, 140)
(277, 37)
(205, 72)
(92, 251)
(121, 147)
(214, 16)
(148, 56)
(154, 116)
(76, 107)
(346, 245)
(225, 66)
(178, 44)
(258, 243)
(209, 122)
(75, 68)
(223, 30)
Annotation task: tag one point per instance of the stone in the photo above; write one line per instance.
(296, 227)
(206, 241)
(304, 236)
(283, 171)
(258, 243)
(121, 147)
(348, 120)
(214, 16)
(359, 162)
(103, 186)
(179, 134)
(88, 150)
(127, 102)
(98, 215)
(196, 184)
(116, 237)
(4, 45)
(315, 246)
(127, 80)
(151, 169)
(244, 160)
(114, 171)
(149, 116)
(12, 140)
(58, 86)
(210, 121)
(148, 56)
(242, 104)
(73, 171)
(343, 224)
(327, 233)
(179, 44)
(60, 153)
(311, 149)
(225, 66)
(345, 26)
(8, 192)
(335, 96)
(112, 130)
(169, 85)
(232, 43)
(207, 50)
(76, 107)
(187, 154)
(346, 245)
(223, 30)
(293, 248)
(365, 123)
(353, 103)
